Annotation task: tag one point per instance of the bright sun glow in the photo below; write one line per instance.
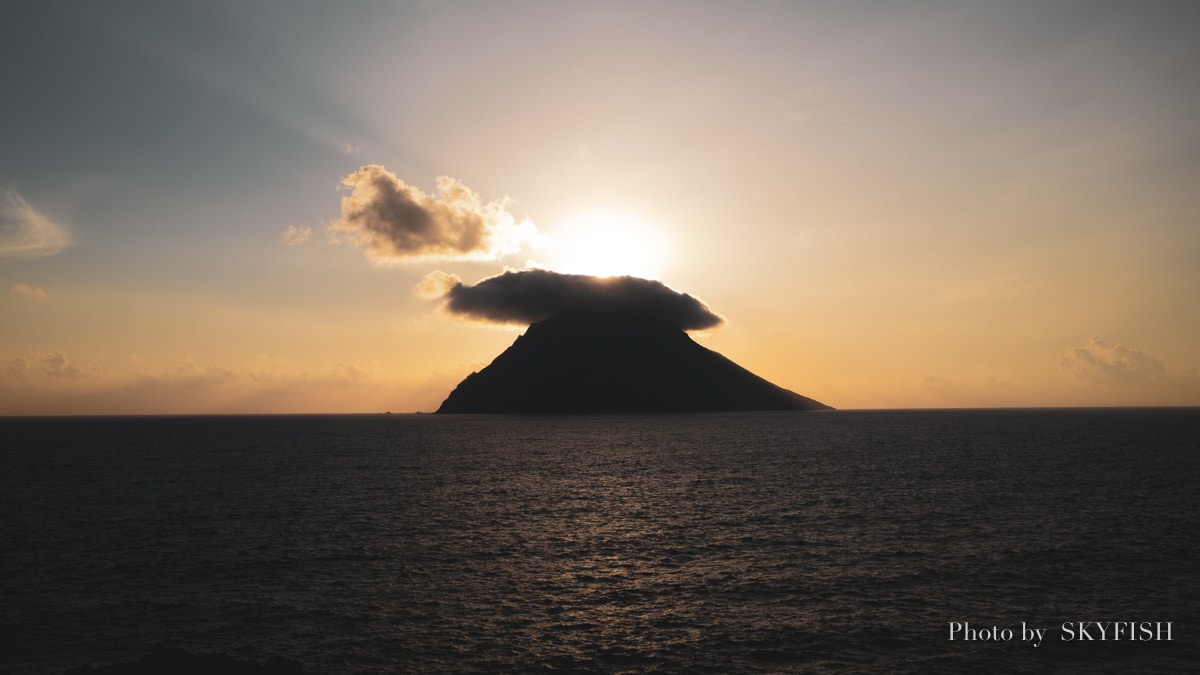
(610, 244)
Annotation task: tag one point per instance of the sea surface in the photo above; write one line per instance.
(834, 542)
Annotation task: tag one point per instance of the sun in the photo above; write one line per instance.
(607, 244)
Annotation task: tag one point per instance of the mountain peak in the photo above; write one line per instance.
(614, 362)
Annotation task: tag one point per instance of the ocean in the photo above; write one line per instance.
(826, 542)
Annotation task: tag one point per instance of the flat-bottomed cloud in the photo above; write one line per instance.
(528, 296)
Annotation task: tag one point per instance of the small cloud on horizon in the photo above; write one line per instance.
(56, 364)
(397, 222)
(1098, 361)
(29, 293)
(529, 296)
(25, 232)
(43, 382)
(16, 367)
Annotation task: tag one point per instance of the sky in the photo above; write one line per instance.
(261, 207)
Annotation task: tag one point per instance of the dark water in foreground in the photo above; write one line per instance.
(751, 542)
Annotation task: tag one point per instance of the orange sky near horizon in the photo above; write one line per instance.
(893, 205)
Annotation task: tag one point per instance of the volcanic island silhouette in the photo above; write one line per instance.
(598, 345)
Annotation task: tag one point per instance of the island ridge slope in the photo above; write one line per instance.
(614, 362)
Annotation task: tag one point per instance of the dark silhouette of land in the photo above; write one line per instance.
(614, 362)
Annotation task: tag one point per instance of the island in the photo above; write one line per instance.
(614, 362)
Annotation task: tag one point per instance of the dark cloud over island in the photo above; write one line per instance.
(528, 296)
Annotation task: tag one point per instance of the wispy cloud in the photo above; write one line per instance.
(56, 364)
(1098, 361)
(295, 235)
(394, 221)
(436, 284)
(29, 293)
(191, 374)
(49, 382)
(25, 232)
(16, 367)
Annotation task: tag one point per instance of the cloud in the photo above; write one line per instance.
(436, 284)
(48, 364)
(268, 384)
(56, 364)
(1099, 361)
(395, 221)
(16, 367)
(30, 293)
(985, 387)
(25, 232)
(295, 235)
(528, 296)
(192, 374)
